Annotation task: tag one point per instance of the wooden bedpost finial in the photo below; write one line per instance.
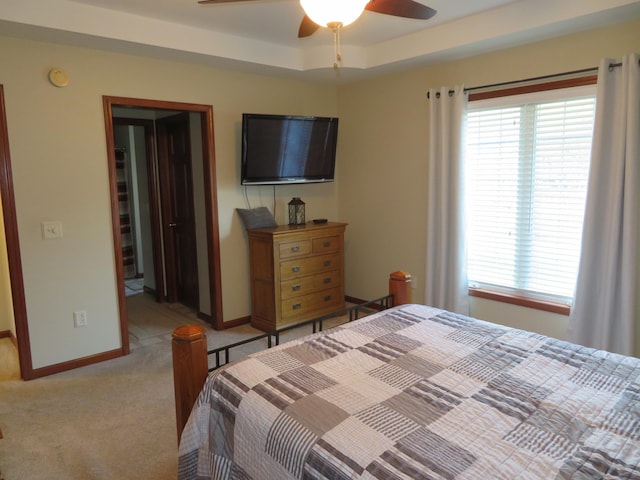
(190, 369)
(187, 333)
(400, 287)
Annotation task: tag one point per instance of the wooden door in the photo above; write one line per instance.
(176, 183)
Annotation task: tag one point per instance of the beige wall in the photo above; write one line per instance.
(59, 159)
(384, 147)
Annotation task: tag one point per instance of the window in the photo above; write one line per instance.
(527, 160)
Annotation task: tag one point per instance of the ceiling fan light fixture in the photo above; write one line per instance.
(333, 12)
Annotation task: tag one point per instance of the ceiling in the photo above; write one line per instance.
(261, 35)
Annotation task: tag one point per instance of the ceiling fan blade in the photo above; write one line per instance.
(307, 27)
(401, 8)
(221, 1)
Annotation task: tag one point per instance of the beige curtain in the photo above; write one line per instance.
(445, 277)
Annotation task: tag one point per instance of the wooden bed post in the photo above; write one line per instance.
(190, 369)
(400, 287)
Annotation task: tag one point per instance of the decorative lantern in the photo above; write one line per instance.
(296, 211)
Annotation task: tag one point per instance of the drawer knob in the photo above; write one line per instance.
(296, 306)
(295, 288)
(295, 269)
(327, 298)
(327, 263)
(326, 244)
(296, 248)
(327, 280)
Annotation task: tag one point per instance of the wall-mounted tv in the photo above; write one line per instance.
(280, 149)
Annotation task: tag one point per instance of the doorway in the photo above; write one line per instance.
(14, 263)
(179, 145)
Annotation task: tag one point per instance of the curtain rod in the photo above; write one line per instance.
(534, 79)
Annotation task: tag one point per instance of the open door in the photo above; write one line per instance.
(178, 212)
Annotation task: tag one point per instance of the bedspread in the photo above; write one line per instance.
(418, 393)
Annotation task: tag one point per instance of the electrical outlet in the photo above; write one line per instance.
(80, 319)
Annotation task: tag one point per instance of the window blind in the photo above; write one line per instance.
(527, 171)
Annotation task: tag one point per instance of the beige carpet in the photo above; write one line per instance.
(113, 420)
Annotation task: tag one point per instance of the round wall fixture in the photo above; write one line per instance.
(58, 77)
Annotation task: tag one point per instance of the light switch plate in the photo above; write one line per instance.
(51, 230)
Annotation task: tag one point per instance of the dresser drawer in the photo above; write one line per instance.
(297, 273)
(308, 266)
(295, 249)
(327, 244)
(299, 307)
(309, 284)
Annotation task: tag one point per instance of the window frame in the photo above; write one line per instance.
(507, 297)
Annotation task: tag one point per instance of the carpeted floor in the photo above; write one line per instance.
(112, 420)
(105, 421)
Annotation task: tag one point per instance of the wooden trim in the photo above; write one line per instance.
(237, 322)
(149, 290)
(80, 362)
(13, 248)
(115, 225)
(9, 334)
(215, 277)
(354, 300)
(539, 87)
(204, 316)
(521, 301)
(400, 287)
(211, 213)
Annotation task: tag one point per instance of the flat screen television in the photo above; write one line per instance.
(280, 149)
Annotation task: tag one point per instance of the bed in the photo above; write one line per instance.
(415, 392)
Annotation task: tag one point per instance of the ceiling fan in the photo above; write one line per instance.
(335, 14)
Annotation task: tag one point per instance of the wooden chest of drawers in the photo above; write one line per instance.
(297, 273)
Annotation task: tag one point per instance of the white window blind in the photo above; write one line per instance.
(527, 160)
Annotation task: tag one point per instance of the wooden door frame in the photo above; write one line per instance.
(16, 278)
(210, 194)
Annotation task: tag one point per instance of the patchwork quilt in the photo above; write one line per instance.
(418, 393)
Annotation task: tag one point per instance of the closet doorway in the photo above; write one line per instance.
(164, 207)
